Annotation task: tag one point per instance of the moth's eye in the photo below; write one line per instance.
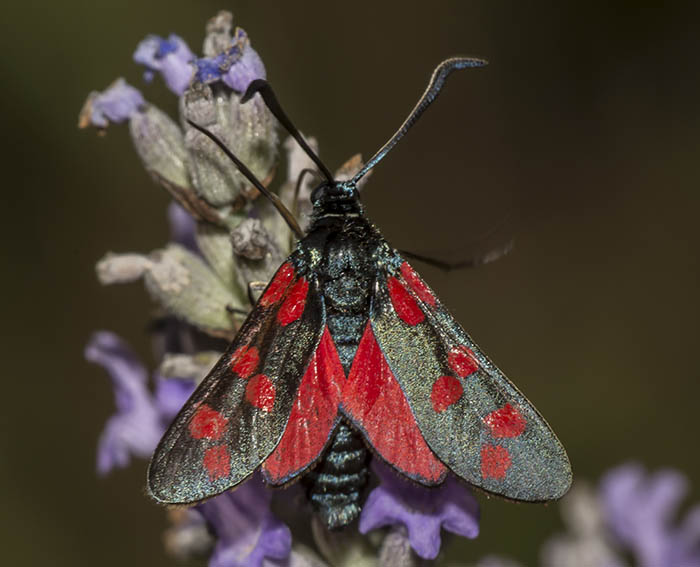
(318, 193)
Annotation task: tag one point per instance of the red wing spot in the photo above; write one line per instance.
(462, 361)
(495, 461)
(417, 284)
(446, 391)
(506, 422)
(207, 423)
(260, 392)
(293, 306)
(278, 285)
(405, 306)
(217, 462)
(244, 361)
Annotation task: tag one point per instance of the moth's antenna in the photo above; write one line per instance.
(263, 87)
(279, 205)
(437, 81)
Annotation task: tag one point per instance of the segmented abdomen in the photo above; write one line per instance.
(336, 485)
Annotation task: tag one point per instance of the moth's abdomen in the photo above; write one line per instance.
(336, 485)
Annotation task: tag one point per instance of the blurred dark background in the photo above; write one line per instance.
(584, 128)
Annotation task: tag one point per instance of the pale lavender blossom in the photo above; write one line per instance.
(586, 541)
(248, 68)
(170, 57)
(237, 66)
(182, 227)
(641, 509)
(246, 530)
(115, 104)
(423, 511)
(170, 395)
(141, 417)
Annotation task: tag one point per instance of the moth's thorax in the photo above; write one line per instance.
(339, 198)
(340, 253)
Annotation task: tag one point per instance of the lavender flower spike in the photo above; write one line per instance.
(170, 57)
(640, 510)
(423, 511)
(115, 104)
(136, 428)
(246, 531)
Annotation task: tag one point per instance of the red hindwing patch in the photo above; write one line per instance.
(374, 400)
(260, 392)
(207, 423)
(313, 414)
(278, 285)
(417, 284)
(506, 422)
(405, 306)
(446, 391)
(217, 461)
(293, 306)
(495, 461)
(462, 361)
(244, 361)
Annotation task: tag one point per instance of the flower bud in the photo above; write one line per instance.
(186, 287)
(215, 244)
(122, 268)
(251, 239)
(247, 129)
(160, 145)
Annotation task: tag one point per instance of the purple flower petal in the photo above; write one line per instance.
(182, 227)
(423, 511)
(236, 67)
(640, 508)
(116, 103)
(137, 426)
(170, 57)
(208, 69)
(170, 395)
(246, 530)
(248, 68)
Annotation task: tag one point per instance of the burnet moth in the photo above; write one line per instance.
(348, 355)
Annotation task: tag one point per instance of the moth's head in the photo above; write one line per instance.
(336, 197)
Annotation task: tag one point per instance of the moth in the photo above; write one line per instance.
(349, 355)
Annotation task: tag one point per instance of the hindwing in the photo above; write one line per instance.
(471, 416)
(238, 415)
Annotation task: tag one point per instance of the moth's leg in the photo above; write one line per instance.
(235, 310)
(475, 261)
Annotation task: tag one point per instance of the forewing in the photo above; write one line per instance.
(472, 417)
(236, 417)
